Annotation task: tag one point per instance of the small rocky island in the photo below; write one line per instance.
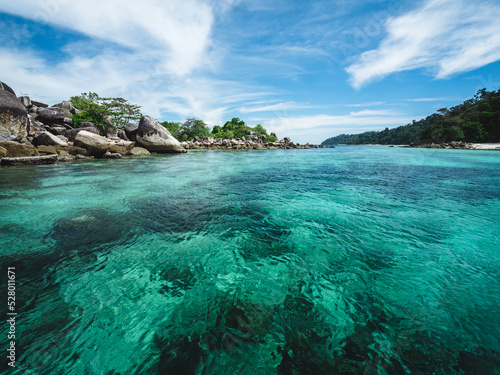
(31, 132)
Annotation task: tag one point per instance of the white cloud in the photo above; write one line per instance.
(445, 36)
(280, 107)
(152, 53)
(177, 31)
(314, 128)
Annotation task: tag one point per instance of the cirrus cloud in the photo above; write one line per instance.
(445, 36)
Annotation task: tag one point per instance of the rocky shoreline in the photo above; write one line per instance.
(31, 132)
(458, 145)
(255, 143)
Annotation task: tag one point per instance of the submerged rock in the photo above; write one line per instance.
(182, 356)
(30, 160)
(156, 138)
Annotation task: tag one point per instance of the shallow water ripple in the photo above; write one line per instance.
(354, 260)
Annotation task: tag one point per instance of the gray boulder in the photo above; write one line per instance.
(30, 160)
(48, 139)
(6, 87)
(156, 138)
(112, 155)
(16, 149)
(122, 135)
(34, 127)
(95, 144)
(13, 117)
(57, 130)
(87, 124)
(67, 108)
(131, 131)
(38, 103)
(25, 100)
(71, 134)
(50, 116)
(138, 151)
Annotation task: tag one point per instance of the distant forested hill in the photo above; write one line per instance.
(475, 120)
(342, 139)
(401, 135)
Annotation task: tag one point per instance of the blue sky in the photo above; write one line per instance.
(304, 69)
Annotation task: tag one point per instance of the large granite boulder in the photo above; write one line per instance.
(95, 144)
(16, 149)
(6, 87)
(138, 151)
(25, 100)
(121, 146)
(131, 131)
(122, 135)
(47, 139)
(67, 107)
(156, 138)
(51, 116)
(38, 103)
(71, 134)
(13, 117)
(34, 127)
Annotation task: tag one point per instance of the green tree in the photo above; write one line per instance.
(172, 127)
(237, 126)
(473, 131)
(259, 130)
(93, 113)
(121, 111)
(193, 128)
(106, 113)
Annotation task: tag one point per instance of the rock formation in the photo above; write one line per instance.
(95, 144)
(51, 130)
(13, 116)
(155, 138)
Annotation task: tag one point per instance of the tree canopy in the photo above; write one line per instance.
(475, 120)
(233, 129)
(106, 113)
(397, 136)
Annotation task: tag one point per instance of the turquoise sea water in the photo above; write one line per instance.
(354, 260)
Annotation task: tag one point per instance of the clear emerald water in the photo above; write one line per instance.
(354, 260)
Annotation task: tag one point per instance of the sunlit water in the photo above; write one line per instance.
(354, 260)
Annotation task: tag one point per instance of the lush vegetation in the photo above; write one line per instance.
(402, 135)
(108, 114)
(111, 114)
(187, 131)
(475, 120)
(233, 129)
(397, 136)
(343, 139)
